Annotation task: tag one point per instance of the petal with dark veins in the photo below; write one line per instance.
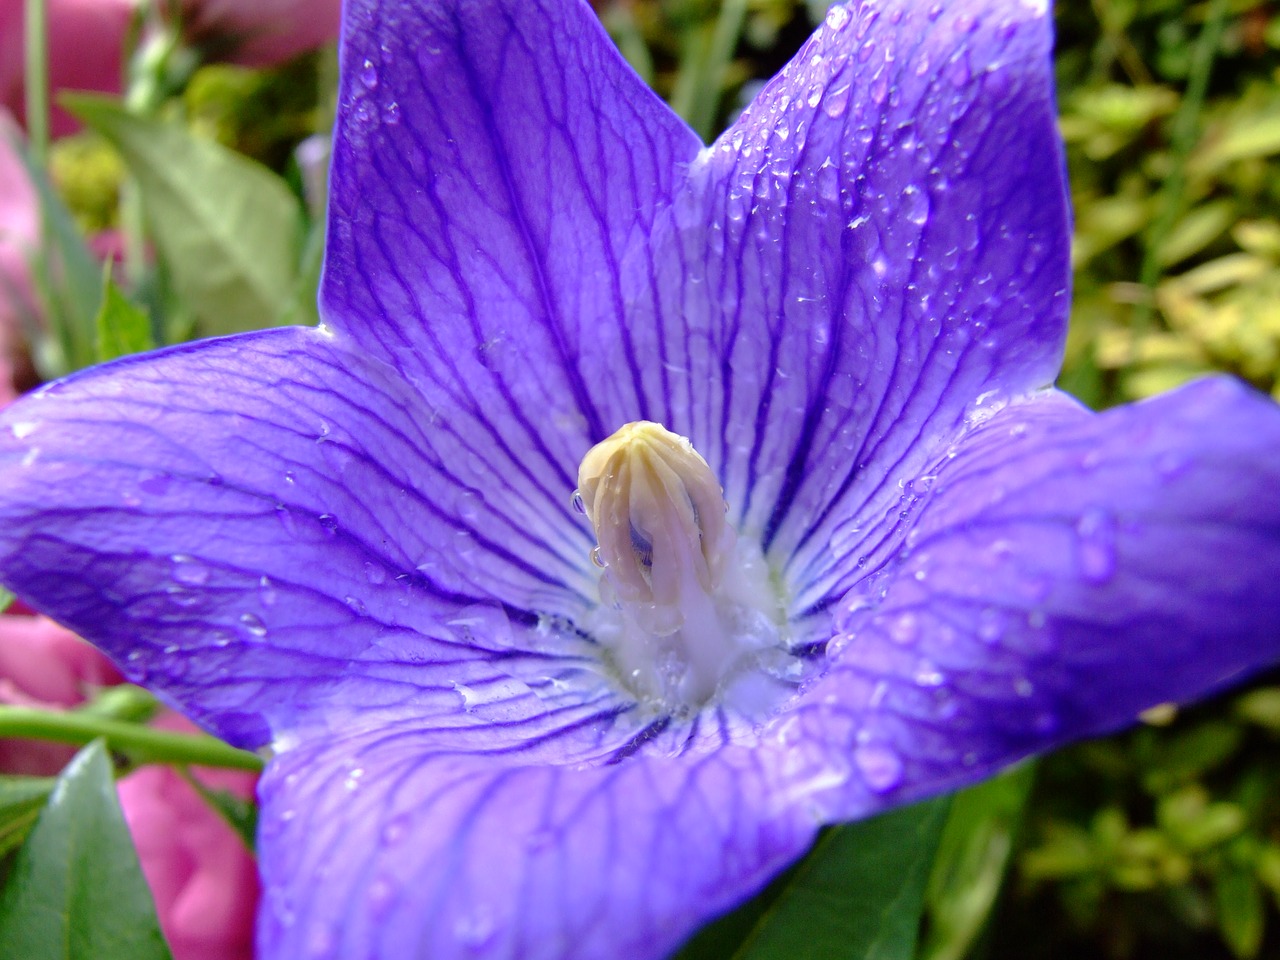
(273, 530)
(1066, 571)
(877, 249)
(375, 847)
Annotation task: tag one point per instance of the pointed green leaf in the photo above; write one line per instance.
(973, 856)
(20, 801)
(76, 891)
(1242, 912)
(227, 228)
(857, 895)
(123, 328)
(305, 310)
(67, 279)
(241, 815)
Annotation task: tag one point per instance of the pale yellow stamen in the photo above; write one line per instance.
(687, 613)
(658, 514)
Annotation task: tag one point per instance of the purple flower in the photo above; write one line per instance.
(355, 544)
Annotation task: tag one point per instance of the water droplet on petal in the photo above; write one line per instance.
(915, 204)
(838, 17)
(189, 570)
(379, 895)
(990, 628)
(475, 928)
(879, 90)
(156, 484)
(929, 676)
(958, 72)
(881, 767)
(321, 943)
(253, 625)
(368, 75)
(1096, 546)
(395, 830)
(135, 667)
(905, 628)
(828, 182)
(836, 101)
(1172, 463)
(1045, 723)
(267, 592)
(541, 840)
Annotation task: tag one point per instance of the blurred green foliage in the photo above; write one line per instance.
(1172, 283)
(1159, 843)
(1165, 842)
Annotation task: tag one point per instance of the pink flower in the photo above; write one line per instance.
(43, 664)
(202, 877)
(87, 40)
(265, 31)
(204, 881)
(86, 44)
(19, 234)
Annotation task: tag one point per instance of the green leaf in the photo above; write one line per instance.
(123, 328)
(226, 227)
(1195, 231)
(20, 801)
(857, 894)
(304, 310)
(76, 891)
(1186, 755)
(1261, 706)
(973, 855)
(240, 814)
(1241, 912)
(1257, 136)
(67, 278)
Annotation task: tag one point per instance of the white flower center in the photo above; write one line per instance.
(688, 612)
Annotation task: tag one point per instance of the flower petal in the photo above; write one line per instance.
(493, 162)
(879, 244)
(373, 847)
(1066, 571)
(272, 528)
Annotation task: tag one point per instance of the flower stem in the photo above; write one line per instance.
(707, 52)
(141, 744)
(1182, 140)
(37, 78)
